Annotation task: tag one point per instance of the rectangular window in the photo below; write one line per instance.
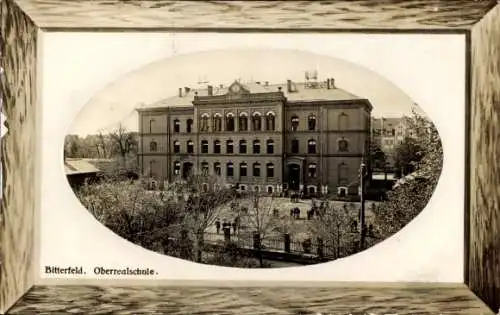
(229, 147)
(230, 171)
(270, 171)
(243, 170)
(256, 170)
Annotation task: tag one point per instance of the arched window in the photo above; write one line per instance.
(229, 169)
(256, 169)
(243, 122)
(295, 146)
(343, 145)
(243, 169)
(270, 146)
(177, 125)
(153, 146)
(217, 146)
(189, 125)
(270, 170)
(311, 146)
(204, 122)
(343, 121)
(177, 168)
(204, 168)
(256, 122)
(229, 147)
(311, 170)
(343, 175)
(295, 123)
(230, 122)
(243, 146)
(217, 122)
(270, 189)
(204, 146)
(270, 121)
(190, 146)
(217, 168)
(177, 146)
(256, 146)
(311, 122)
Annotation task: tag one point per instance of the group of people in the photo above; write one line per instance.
(235, 224)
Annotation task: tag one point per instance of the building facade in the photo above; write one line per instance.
(309, 137)
(388, 133)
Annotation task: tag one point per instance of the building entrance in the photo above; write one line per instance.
(294, 176)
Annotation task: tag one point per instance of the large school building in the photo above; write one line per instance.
(310, 136)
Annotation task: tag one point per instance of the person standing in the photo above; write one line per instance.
(217, 225)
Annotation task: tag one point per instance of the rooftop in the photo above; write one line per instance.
(74, 166)
(297, 92)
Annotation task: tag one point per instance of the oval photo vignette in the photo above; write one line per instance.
(253, 159)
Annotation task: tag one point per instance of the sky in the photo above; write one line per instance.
(116, 102)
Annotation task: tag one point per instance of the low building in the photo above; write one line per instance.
(78, 171)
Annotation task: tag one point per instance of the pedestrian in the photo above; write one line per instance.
(234, 226)
(217, 225)
(237, 221)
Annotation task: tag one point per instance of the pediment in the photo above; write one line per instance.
(236, 88)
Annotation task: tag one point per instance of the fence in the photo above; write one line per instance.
(285, 244)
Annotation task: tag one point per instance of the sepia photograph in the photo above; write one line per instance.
(253, 158)
(249, 157)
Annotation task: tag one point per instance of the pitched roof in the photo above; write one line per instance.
(80, 166)
(299, 93)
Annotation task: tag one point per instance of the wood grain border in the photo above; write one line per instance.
(484, 211)
(22, 19)
(19, 46)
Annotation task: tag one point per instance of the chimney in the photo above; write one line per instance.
(328, 84)
(180, 92)
(332, 83)
(210, 90)
(289, 86)
(267, 83)
(187, 89)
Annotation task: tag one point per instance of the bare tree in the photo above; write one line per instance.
(203, 198)
(259, 219)
(128, 209)
(333, 224)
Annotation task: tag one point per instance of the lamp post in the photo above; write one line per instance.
(362, 175)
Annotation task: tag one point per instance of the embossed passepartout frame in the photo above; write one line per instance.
(22, 21)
